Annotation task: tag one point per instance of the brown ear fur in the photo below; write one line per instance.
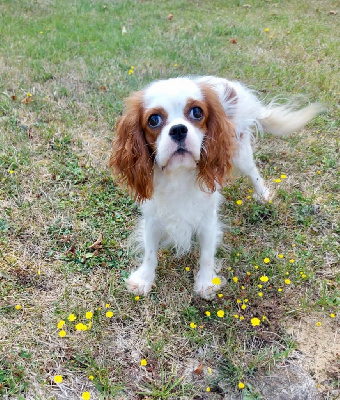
(218, 145)
(130, 158)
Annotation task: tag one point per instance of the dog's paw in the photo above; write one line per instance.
(263, 196)
(139, 282)
(206, 285)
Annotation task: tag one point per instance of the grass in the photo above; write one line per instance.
(64, 224)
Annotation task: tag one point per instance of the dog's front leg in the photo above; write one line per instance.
(141, 280)
(208, 237)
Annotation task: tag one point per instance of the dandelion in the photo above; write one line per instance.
(260, 286)
(283, 176)
(208, 313)
(62, 333)
(244, 306)
(109, 314)
(235, 279)
(266, 30)
(72, 317)
(264, 318)
(248, 273)
(18, 307)
(279, 289)
(264, 278)
(318, 324)
(220, 295)
(292, 260)
(256, 266)
(187, 268)
(266, 260)
(209, 370)
(107, 305)
(86, 396)
(276, 180)
(255, 321)
(220, 313)
(241, 385)
(91, 377)
(208, 389)
(61, 323)
(236, 316)
(81, 327)
(143, 362)
(239, 202)
(193, 325)
(260, 294)
(319, 172)
(241, 318)
(216, 281)
(332, 315)
(287, 281)
(89, 315)
(238, 301)
(137, 298)
(58, 379)
(280, 255)
(246, 300)
(242, 287)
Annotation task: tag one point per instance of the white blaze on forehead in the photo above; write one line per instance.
(172, 95)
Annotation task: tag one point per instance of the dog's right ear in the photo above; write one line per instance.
(131, 159)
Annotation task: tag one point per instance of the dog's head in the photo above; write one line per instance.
(175, 123)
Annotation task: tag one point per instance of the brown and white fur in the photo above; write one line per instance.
(176, 143)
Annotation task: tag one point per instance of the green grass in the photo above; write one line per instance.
(64, 74)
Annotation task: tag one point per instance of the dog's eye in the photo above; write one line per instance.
(196, 113)
(155, 121)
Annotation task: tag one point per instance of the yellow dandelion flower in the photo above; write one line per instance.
(208, 389)
(332, 315)
(235, 279)
(292, 260)
(91, 377)
(264, 278)
(187, 268)
(260, 294)
(266, 260)
(209, 370)
(136, 298)
(241, 385)
(287, 281)
(318, 324)
(256, 266)
(72, 317)
(303, 276)
(81, 327)
(242, 287)
(239, 202)
(220, 313)
(283, 176)
(208, 313)
(86, 396)
(90, 325)
(18, 307)
(236, 316)
(61, 323)
(280, 255)
(244, 306)
(216, 281)
(175, 65)
(255, 321)
(58, 379)
(260, 286)
(143, 362)
(193, 325)
(107, 305)
(220, 295)
(246, 300)
(62, 333)
(279, 289)
(89, 315)
(266, 30)
(264, 318)
(248, 273)
(238, 301)
(109, 314)
(241, 317)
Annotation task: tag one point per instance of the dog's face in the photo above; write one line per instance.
(176, 123)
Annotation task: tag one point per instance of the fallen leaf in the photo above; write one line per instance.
(332, 12)
(103, 88)
(198, 370)
(170, 16)
(98, 244)
(233, 41)
(27, 100)
(13, 97)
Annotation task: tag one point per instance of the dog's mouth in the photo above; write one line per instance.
(181, 157)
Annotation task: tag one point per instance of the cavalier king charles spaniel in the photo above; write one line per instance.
(176, 143)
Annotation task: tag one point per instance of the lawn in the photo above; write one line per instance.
(65, 68)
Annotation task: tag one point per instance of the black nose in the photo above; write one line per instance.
(178, 132)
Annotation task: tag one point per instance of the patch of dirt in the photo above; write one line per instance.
(319, 346)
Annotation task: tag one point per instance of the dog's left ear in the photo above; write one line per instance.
(130, 158)
(218, 144)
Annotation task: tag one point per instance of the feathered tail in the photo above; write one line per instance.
(284, 120)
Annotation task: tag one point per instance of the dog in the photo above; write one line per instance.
(176, 143)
